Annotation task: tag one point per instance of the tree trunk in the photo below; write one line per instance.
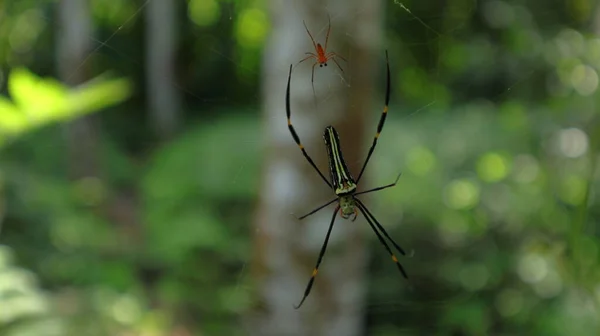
(285, 249)
(161, 39)
(73, 41)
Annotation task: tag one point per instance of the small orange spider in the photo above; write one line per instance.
(322, 56)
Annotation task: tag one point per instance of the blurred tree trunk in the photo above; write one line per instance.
(285, 249)
(73, 40)
(161, 39)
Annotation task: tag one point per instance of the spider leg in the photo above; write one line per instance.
(317, 209)
(336, 63)
(334, 54)
(328, 30)
(362, 206)
(381, 120)
(312, 77)
(293, 131)
(309, 34)
(316, 269)
(312, 82)
(381, 240)
(380, 188)
(305, 58)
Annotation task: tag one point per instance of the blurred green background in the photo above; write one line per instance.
(119, 217)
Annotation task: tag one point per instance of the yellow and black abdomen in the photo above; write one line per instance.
(341, 178)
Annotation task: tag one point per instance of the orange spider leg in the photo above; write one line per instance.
(311, 38)
(311, 55)
(334, 54)
(336, 63)
(328, 30)
(306, 58)
(312, 77)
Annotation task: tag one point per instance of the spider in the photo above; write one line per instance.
(322, 56)
(344, 185)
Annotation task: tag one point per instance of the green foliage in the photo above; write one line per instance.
(504, 214)
(37, 102)
(26, 309)
(196, 201)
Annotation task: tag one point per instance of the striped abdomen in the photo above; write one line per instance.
(341, 179)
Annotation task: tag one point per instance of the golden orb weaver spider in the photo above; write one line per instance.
(343, 184)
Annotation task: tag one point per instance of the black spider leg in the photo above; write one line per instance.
(317, 209)
(380, 227)
(380, 188)
(381, 120)
(293, 131)
(316, 269)
(366, 213)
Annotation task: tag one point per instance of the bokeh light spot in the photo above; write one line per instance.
(126, 310)
(532, 268)
(584, 79)
(525, 168)
(498, 14)
(570, 42)
(203, 12)
(549, 287)
(492, 167)
(420, 160)
(252, 28)
(461, 194)
(572, 142)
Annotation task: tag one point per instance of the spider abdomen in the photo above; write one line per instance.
(341, 178)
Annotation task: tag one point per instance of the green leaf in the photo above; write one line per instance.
(40, 99)
(96, 95)
(12, 121)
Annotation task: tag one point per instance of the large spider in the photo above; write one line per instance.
(343, 184)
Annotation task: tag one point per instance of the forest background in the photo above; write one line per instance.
(149, 184)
